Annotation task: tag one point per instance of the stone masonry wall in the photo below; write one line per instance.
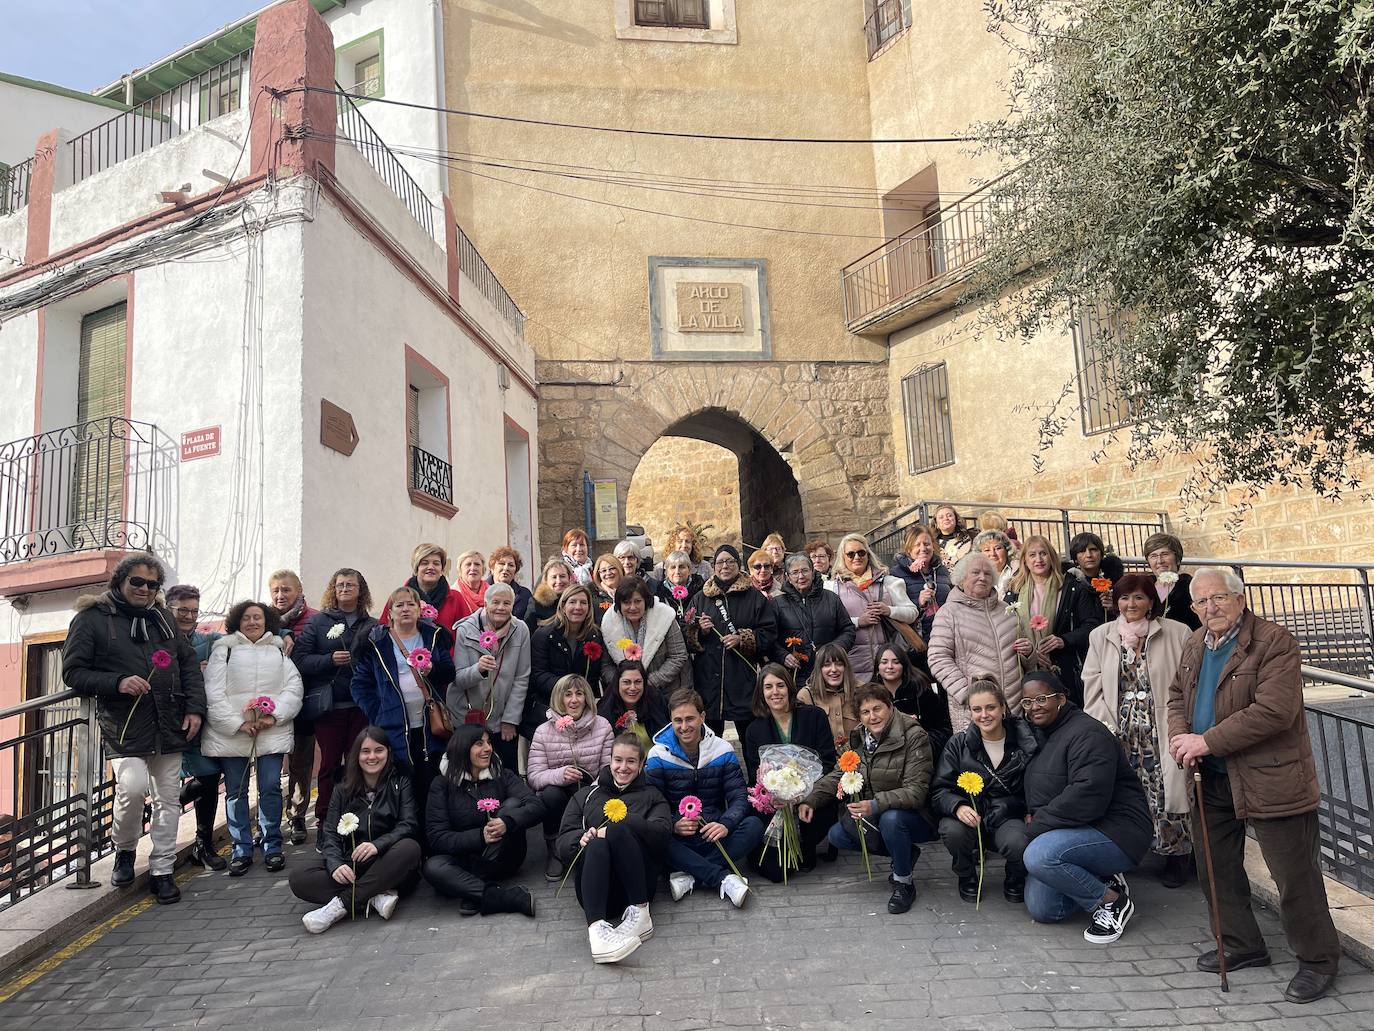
(682, 480)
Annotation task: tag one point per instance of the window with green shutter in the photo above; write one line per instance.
(98, 461)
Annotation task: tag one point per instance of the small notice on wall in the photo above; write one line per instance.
(607, 504)
(200, 443)
(710, 307)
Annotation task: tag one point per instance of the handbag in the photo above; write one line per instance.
(437, 717)
(903, 634)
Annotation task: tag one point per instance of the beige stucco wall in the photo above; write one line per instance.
(682, 480)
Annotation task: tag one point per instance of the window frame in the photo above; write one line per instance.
(934, 439)
(1098, 383)
(344, 60)
(671, 8)
(423, 377)
(720, 15)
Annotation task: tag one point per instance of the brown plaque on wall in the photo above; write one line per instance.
(337, 431)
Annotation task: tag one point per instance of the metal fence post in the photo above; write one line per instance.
(1064, 525)
(1368, 619)
(92, 758)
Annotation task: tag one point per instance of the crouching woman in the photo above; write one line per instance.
(622, 825)
(369, 853)
(476, 819)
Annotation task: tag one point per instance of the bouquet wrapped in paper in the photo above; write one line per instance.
(787, 775)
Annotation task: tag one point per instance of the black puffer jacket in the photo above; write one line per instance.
(314, 651)
(453, 823)
(817, 618)
(725, 678)
(1003, 796)
(648, 816)
(552, 657)
(935, 575)
(1080, 777)
(663, 593)
(99, 653)
(388, 818)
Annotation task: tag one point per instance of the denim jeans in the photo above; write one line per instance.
(236, 784)
(899, 830)
(1066, 871)
(702, 859)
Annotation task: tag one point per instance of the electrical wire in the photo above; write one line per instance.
(636, 132)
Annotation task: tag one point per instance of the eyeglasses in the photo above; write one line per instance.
(186, 613)
(1040, 701)
(137, 581)
(762, 565)
(856, 554)
(1215, 600)
(725, 561)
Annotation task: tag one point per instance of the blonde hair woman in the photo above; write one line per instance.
(874, 599)
(472, 588)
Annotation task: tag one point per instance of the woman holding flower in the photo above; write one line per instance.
(995, 747)
(1054, 613)
(571, 642)
(831, 689)
(874, 599)
(568, 750)
(1131, 663)
(621, 826)
(677, 585)
(492, 656)
(894, 760)
(252, 693)
(553, 581)
(1164, 553)
(404, 670)
(808, 618)
(638, 627)
(368, 852)
(630, 702)
(476, 820)
(606, 577)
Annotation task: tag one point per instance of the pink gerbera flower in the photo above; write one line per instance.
(488, 805)
(679, 592)
(161, 659)
(428, 612)
(487, 639)
(421, 660)
(690, 807)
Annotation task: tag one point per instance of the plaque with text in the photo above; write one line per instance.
(710, 307)
(337, 431)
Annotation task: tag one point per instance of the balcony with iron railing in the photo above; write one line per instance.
(884, 24)
(72, 498)
(431, 478)
(14, 186)
(916, 275)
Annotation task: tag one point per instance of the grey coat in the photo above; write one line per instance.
(500, 693)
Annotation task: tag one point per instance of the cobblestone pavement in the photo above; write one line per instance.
(823, 953)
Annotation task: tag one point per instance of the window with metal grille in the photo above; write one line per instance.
(675, 14)
(220, 91)
(367, 77)
(1102, 399)
(925, 410)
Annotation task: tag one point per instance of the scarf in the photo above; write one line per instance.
(289, 617)
(1025, 604)
(435, 597)
(141, 619)
(1133, 635)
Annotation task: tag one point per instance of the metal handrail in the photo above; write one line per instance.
(34, 704)
(359, 132)
(14, 186)
(475, 267)
(1327, 676)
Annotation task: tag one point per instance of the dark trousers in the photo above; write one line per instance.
(1290, 848)
(765, 861)
(718, 726)
(204, 792)
(1008, 839)
(702, 858)
(393, 870)
(467, 876)
(508, 751)
(555, 798)
(614, 872)
(423, 770)
(300, 772)
(334, 733)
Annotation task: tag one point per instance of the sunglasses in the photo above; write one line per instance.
(856, 554)
(762, 565)
(137, 581)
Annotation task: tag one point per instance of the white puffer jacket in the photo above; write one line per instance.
(240, 670)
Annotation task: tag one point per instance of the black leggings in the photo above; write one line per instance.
(614, 872)
(205, 793)
(555, 798)
(467, 876)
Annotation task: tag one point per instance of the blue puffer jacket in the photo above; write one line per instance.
(716, 779)
(378, 693)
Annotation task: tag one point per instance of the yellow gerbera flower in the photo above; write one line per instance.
(615, 810)
(970, 783)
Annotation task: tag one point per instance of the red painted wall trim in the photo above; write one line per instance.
(451, 250)
(41, 185)
(356, 215)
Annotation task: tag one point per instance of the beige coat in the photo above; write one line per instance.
(1101, 699)
(972, 637)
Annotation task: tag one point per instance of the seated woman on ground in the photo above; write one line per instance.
(630, 702)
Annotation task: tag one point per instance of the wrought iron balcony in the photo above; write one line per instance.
(103, 484)
(431, 475)
(884, 25)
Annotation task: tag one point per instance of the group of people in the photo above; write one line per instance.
(977, 690)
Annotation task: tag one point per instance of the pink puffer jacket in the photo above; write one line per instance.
(587, 743)
(972, 637)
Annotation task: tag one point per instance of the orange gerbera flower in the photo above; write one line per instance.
(849, 761)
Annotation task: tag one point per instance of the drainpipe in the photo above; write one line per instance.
(440, 93)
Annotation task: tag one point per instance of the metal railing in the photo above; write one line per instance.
(214, 92)
(884, 25)
(917, 262)
(430, 474)
(106, 483)
(475, 267)
(1342, 733)
(356, 129)
(1126, 529)
(14, 186)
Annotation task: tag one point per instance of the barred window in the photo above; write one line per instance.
(925, 410)
(1102, 399)
(674, 14)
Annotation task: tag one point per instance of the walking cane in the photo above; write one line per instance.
(1211, 878)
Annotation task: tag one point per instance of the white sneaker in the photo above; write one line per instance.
(608, 944)
(637, 923)
(317, 921)
(384, 904)
(681, 884)
(736, 889)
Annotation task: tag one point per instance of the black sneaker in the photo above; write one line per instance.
(903, 895)
(123, 873)
(968, 889)
(297, 831)
(163, 888)
(203, 854)
(466, 907)
(1109, 919)
(238, 866)
(275, 862)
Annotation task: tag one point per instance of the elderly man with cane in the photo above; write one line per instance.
(1236, 717)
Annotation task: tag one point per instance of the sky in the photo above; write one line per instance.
(83, 44)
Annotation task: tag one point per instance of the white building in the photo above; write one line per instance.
(248, 346)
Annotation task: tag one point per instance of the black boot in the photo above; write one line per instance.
(123, 873)
(1014, 884)
(203, 853)
(968, 888)
(515, 899)
(190, 791)
(1176, 870)
(553, 868)
(164, 889)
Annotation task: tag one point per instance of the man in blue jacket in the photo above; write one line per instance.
(689, 761)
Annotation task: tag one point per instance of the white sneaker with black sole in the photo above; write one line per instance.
(1109, 920)
(681, 884)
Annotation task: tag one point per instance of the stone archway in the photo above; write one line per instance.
(827, 422)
